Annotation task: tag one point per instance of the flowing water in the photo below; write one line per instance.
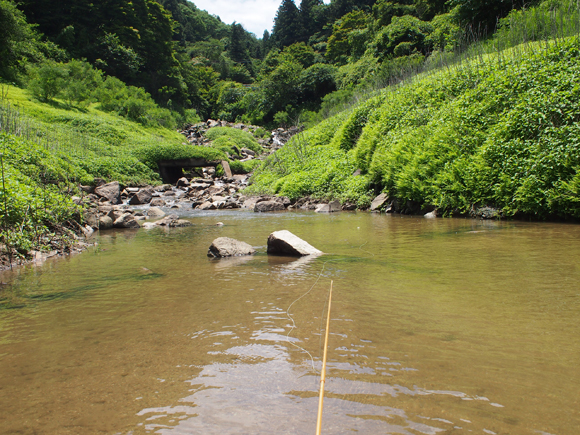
(444, 326)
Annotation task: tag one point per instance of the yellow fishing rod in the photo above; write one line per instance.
(323, 372)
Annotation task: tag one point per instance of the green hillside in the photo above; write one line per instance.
(499, 130)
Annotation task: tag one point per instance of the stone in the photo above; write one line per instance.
(267, 206)
(430, 215)
(215, 190)
(331, 207)
(226, 168)
(144, 196)
(157, 202)
(227, 247)
(155, 212)
(285, 243)
(248, 151)
(110, 191)
(173, 221)
(126, 221)
(182, 182)
(105, 209)
(105, 223)
(92, 218)
(163, 188)
(207, 206)
(379, 202)
(251, 202)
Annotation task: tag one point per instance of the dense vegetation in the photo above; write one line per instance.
(499, 130)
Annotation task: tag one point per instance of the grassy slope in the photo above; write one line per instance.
(499, 130)
(101, 144)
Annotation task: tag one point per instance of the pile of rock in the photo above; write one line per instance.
(195, 134)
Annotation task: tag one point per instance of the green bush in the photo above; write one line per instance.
(150, 155)
(47, 80)
(34, 193)
(228, 136)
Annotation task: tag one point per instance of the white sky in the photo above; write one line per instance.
(255, 15)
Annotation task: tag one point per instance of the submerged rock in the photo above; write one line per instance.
(173, 221)
(226, 247)
(266, 206)
(285, 243)
(155, 212)
(332, 207)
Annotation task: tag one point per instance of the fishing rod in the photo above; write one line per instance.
(323, 372)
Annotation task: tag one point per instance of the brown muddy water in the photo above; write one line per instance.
(443, 326)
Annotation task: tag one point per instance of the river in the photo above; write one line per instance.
(438, 326)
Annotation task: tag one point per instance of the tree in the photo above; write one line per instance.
(18, 41)
(309, 18)
(349, 35)
(237, 48)
(287, 29)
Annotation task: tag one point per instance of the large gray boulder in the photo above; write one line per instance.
(285, 243)
(142, 197)
(226, 247)
(110, 191)
(105, 223)
(126, 221)
(266, 206)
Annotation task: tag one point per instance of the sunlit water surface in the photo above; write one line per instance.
(442, 326)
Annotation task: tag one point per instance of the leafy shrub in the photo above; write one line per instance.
(150, 155)
(33, 192)
(233, 136)
(47, 80)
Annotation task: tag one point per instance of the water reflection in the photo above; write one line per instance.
(438, 326)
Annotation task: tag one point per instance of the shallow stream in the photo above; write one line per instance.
(438, 326)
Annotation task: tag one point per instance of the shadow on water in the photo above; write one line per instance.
(18, 296)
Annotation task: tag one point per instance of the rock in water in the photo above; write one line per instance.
(285, 243)
(155, 212)
(332, 207)
(226, 247)
(266, 206)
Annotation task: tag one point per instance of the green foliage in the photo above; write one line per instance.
(349, 37)
(47, 80)
(239, 167)
(496, 131)
(151, 155)
(403, 36)
(19, 43)
(81, 80)
(228, 136)
(33, 193)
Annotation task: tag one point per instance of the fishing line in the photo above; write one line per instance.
(294, 323)
(321, 315)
